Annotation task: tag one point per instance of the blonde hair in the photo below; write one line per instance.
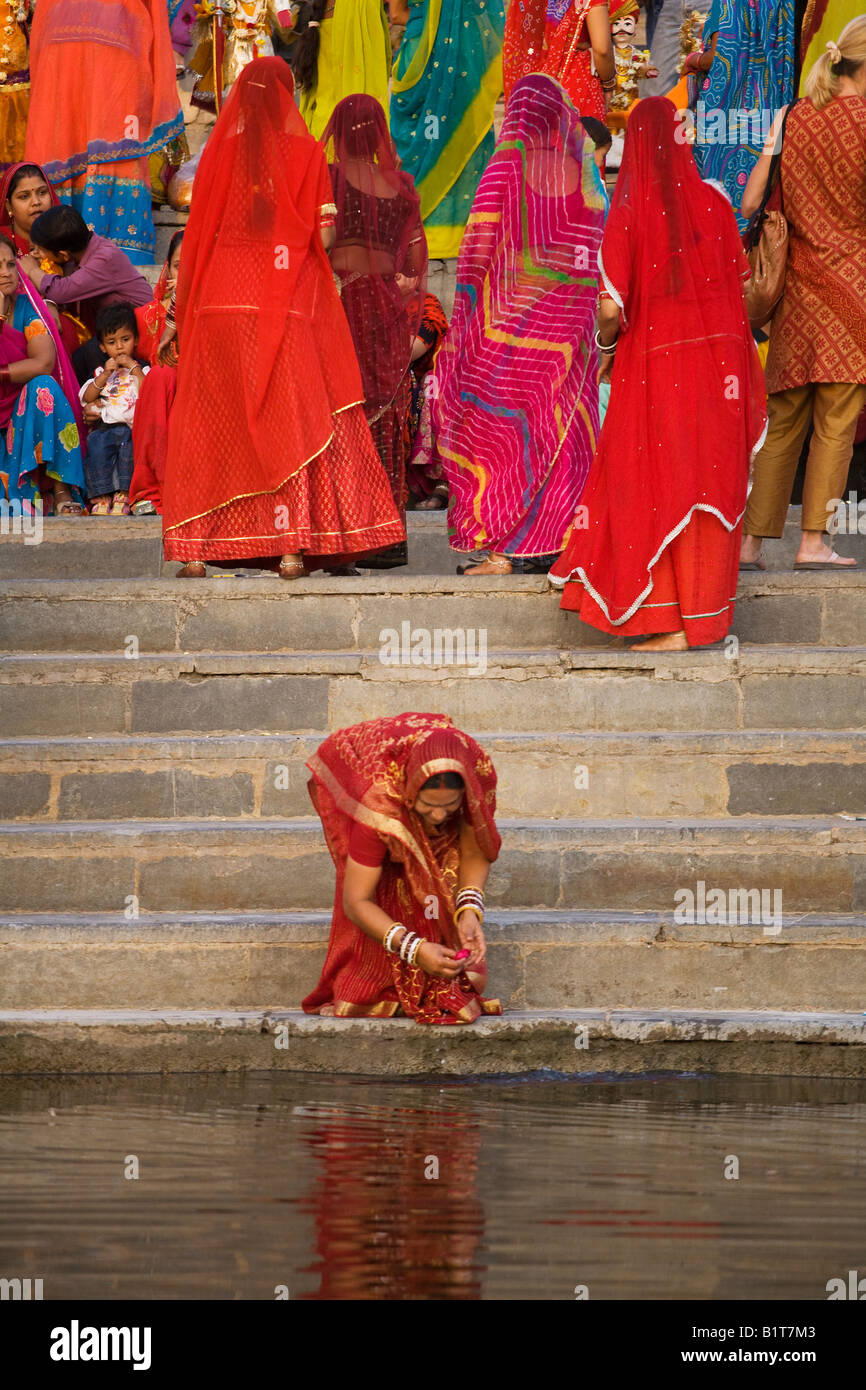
(822, 84)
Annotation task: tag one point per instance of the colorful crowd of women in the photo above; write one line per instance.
(563, 299)
(652, 548)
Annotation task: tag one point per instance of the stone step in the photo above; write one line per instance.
(568, 1042)
(537, 960)
(597, 689)
(325, 614)
(596, 775)
(816, 864)
(131, 547)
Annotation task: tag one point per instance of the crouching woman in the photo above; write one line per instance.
(407, 805)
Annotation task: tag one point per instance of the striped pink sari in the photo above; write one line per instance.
(515, 399)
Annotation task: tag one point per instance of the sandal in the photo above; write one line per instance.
(101, 507)
(120, 504)
(69, 508)
(193, 569)
(291, 567)
(144, 508)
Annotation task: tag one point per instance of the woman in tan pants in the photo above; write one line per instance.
(816, 367)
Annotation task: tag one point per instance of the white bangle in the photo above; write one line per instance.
(406, 944)
(608, 348)
(416, 947)
(398, 926)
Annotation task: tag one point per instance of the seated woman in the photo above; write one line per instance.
(407, 806)
(152, 317)
(39, 412)
(25, 193)
(150, 428)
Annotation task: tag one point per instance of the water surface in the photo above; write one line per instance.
(328, 1188)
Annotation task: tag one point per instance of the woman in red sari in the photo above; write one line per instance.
(656, 550)
(158, 390)
(380, 259)
(269, 453)
(407, 805)
(569, 40)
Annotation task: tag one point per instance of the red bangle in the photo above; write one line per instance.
(6, 375)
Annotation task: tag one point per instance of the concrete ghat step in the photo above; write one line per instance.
(322, 614)
(576, 959)
(524, 690)
(131, 548)
(817, 864)
(539, 774)
(620, 1042)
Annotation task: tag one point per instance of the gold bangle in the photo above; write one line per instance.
(469, 907)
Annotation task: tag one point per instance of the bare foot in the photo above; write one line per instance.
(667, 642)
(750, 552)
(816, 552)
(193, 569)
(497, 564)
(434, 503)
(291, 567)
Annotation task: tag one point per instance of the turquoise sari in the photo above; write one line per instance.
(751, 77)
(42, 430)
(447, 80)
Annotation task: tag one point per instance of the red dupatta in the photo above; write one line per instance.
(379, 236)
(688, 403)
(371, 773)
(253, 277)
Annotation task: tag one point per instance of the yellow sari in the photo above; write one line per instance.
(823, 22)
(354, 56)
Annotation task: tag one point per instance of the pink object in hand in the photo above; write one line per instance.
(462, 955)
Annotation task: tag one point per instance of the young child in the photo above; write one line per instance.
(109, 399)
(95, 272)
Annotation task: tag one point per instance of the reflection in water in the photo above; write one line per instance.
(339, 1189)
(395, 1203)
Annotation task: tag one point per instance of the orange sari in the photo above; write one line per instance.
(104, 98)
(371, 774)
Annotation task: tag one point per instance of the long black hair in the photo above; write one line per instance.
(304, 55)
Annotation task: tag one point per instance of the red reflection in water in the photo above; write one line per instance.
(383, 1229)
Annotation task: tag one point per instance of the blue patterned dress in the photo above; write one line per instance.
(42, 429)
(752, 76)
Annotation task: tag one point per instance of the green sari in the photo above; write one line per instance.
(447, 80)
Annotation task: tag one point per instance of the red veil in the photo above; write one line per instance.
(267, 373)
(379, 235)
(371, 773)
(688, 404)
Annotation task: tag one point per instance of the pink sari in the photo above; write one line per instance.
(514, 403)
(13, 348)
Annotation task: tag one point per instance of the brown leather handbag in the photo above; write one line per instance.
(767, 247)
